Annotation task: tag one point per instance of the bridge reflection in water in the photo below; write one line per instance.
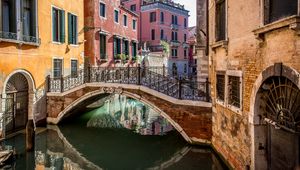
(121, 133)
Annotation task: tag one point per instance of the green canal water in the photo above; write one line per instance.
(116, 133)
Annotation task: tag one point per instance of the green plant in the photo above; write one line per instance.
(165, 45)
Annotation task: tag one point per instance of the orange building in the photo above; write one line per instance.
(38, 39)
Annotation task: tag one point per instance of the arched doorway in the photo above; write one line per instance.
(276, 134)
(16, 103)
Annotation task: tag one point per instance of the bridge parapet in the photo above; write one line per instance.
(154, 78)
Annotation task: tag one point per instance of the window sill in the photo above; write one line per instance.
(235, 109)
(74, 45)
(293, 22)
(19, 42)
(57, 43)
(220, 44)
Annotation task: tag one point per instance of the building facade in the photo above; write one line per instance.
(111, 33)
(37, 39)
(255, 81)
(164, 21)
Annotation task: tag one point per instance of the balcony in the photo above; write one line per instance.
(174, 43)
(185, 45)
(22, 39)
(174, 26)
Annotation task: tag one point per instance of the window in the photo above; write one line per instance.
(125, 46)
(57, 68)
(72, 29)
(9, 17)
(174, 36)
(174, 20)
(185, 69)
(234, 91)
(134, 24)
(133, 7)
(220, 83)
(28, 18)
(185, 23)
(185, 38)
(133, 49)
(152, 16)
(174, 52)
(161, 34)
(125, 20)
(74, 68)
(116, 16)
(185, 53)
(117, 46)
(102, 10)
(220, 20)
(174, 69)
(58, 25)
(162, 17)
(277, 9)
(103, 55)
(153, 34)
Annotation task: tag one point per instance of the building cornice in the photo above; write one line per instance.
(160, 5)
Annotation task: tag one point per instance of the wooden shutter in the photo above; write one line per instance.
(70, 28)
(62, 26)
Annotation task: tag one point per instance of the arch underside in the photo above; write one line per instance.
(91, 97)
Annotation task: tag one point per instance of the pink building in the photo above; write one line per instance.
(111, 33)
(168, 21)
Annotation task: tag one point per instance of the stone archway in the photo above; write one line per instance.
(17, 101)
(274, 119)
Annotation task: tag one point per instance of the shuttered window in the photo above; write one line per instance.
(125, 20)
(103, 47)
(220, 86)
(153, 34)
(133, 49)
(220, 20)
(72, 29)
(134, 24)
(58, 25)
(74, 68)
(116, 16)
(57, 68)
(234, 91)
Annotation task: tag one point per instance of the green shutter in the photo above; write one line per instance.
(54, 18)
(70, 29)
(62, 26)
(75, 30)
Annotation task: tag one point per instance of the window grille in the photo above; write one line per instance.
(234, 91)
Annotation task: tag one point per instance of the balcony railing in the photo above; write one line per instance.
(154, 78)
(185, 45)
(175, 43)
(174, 26)
(22, 39)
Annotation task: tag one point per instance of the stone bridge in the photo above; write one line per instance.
(191, 118)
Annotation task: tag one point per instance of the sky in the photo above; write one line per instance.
(191, 6)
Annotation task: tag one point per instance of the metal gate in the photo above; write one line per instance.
(281, 110)
(16, 104)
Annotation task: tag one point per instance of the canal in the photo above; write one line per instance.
(115, 132)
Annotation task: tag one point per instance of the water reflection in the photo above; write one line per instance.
(103, 138)
(119, 111)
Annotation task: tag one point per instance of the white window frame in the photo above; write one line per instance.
(62, 65)
(115, 9)
(51, 11)
(126, 20)
(73, 59)
(102, 2)
(227, 73)
(134, 29)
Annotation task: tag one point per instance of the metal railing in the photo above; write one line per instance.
(154, 78)
(13, 37)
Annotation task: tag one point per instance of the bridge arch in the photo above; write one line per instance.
(111, 90)
(258, 128)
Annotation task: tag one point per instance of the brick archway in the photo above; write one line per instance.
(120, 91)
(255, 119)
(192, 120)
